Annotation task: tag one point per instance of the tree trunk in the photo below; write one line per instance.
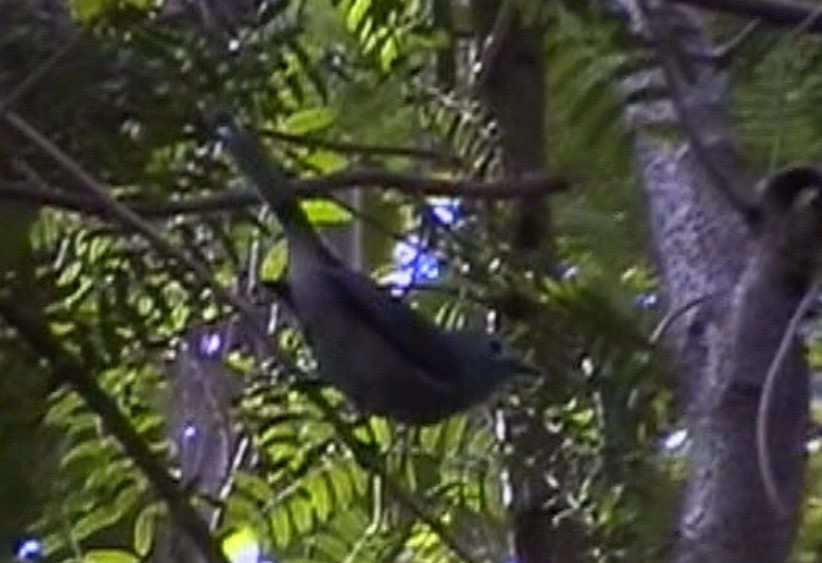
(708, 248)
(511, 82)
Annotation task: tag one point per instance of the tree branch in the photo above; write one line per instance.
(763, 439)
(66, 369)
(310, 187)
(30, 81)
(778, 13)
(127, 218)
(356, 148)
(687, 95)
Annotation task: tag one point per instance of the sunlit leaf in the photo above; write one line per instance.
(96, 450)
(109, 556)
(144, 527)
(357, 12)
(97, 519)
(241, 545)
(326, 212)
(281, 526)
(308, 121)
(274, 263)
(88, 10)
(326, 162)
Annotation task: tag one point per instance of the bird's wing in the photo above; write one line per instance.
(420, 342)
(281, 291)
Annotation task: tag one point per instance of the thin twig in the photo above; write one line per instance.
(305, 188)
(779, 13)
(722, 54)
(241, 454)
(721, 177)
(71, 371)
(30, 81)
(763, 453)
(669, 319)
(726, 51)
(126, 216)
(493, 43)
(356, 148)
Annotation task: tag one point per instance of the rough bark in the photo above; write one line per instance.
(722, 350)
(199, 425)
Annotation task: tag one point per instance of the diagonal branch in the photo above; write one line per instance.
(687, 95)
(497, 189)
(779, 13)
(127, 218)
(66, 369)
(40, 72)
(310, 187)
(357, 148)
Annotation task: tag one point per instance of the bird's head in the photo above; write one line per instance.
(486, 359)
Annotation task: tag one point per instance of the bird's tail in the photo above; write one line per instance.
(267, 178)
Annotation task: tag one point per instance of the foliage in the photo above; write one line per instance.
(325, 485)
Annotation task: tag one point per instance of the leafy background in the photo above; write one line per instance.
(318, 77)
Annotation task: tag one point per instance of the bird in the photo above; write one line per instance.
(387, 358)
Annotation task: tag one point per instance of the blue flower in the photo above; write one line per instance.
(646, 300)
(445, 210)
(413, 263)
(211, 344)
(29, 550)
(189, 431)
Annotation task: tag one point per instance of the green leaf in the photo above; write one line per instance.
(85, 11)
(308, 121)
(326, 212)
(388, 54)
(254, 486)
(96, 450)
(326, 162)
(241, 509)
(141, 4)
(356, 14)
(94, 521)
(106, 514)
(144, 527)
(64, 407)
(109, 556)
(321, 496)
(281, 526)
(241, 545)
(333, 547)
(302, 515)
(273, 265)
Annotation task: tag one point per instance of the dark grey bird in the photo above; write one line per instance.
(385, 357)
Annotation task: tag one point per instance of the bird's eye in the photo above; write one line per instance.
(495, 346)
